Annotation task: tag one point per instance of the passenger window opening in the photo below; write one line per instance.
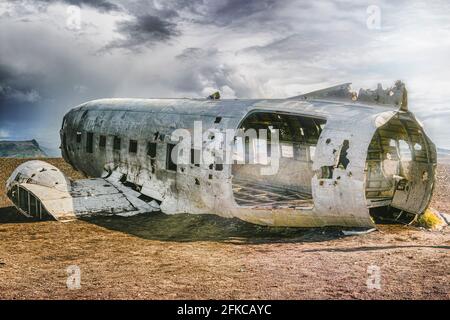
(116, 143)
(102, 142)
(89, 142)
(153, 165)
(133, 146)
(151, 149)
(195, 157)
(84, 114)
(291, 184)
(170, 163)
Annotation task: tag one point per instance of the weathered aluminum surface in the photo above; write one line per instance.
(66, 200)
(337, 200)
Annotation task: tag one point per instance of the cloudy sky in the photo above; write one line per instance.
(57, 54)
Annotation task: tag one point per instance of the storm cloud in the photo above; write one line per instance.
(143, 31)
(245, 49)
(102, 5)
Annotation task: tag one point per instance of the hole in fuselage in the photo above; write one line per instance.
(390, 215)
(255, 149)
(394, 192)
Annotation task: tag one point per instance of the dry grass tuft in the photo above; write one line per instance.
(430, 219)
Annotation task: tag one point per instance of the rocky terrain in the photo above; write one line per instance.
(155, 256)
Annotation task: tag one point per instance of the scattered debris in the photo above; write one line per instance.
(357, 232)
(445, 217)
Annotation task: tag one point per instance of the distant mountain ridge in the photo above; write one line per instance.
(443, 151)
(51, 152)
(443, 155)
(21, 149)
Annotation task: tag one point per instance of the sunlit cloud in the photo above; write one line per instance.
(245, 49)
(4, 134)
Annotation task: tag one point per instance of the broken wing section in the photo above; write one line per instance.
(395, 96)
(40, 190)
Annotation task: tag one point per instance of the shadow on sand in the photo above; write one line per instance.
(189, 227)
(12, 215)
(367, 248)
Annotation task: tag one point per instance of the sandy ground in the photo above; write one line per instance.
(156, 256)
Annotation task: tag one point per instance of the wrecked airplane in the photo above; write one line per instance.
(332, 157)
